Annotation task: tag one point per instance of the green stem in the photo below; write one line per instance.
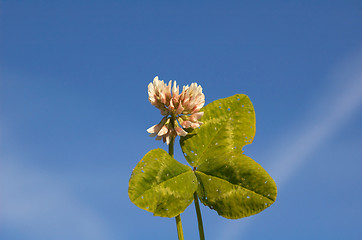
(170, 147)
(199, 218)
(180, 233)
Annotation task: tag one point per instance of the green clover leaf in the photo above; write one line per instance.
(162, 185)
(228, 181)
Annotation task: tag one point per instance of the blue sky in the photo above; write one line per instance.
(74, 111)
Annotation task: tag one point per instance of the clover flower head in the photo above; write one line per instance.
(177, 108)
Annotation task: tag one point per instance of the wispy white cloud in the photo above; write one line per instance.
(333, 110)
(40, 206)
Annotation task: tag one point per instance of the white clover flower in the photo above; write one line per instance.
(177, 108)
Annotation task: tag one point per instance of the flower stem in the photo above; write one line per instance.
(170, 147)
(180, 233)
(199, 218)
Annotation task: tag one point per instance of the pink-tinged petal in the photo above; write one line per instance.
(183, 93)
(153, 129)
(176, 99)
(171, 135)
(156, 103)
(181, 97)
(187, 96)
(156, 128)
(175, 91)
(179, 109)
(163, 97)
(191, 103)
(152, 99)
(200, 99)
(196, 116)
(163, 131)
(168, 90)
(180, 132)
(199, 115)
(186, 105)
(196, 109)
(168, 139)
(156, 85)
(195, 124)
(186, 124)
(172, 106)
(151, 89)
(199, 106)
